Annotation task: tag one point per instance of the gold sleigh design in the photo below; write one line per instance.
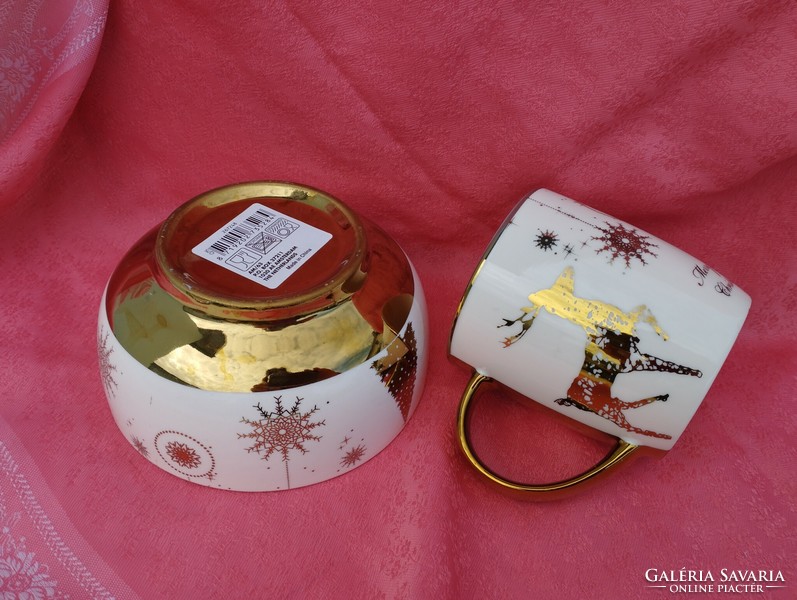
(610, 349)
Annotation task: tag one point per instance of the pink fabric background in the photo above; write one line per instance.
(679, 117)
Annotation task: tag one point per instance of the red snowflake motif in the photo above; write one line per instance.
(183, 454)
(282, 430)
(627, 244)
(353, 456)
(107, 368)
(139, 445)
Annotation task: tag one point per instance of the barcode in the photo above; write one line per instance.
(248, 245)
(257, 221)
(238, 234)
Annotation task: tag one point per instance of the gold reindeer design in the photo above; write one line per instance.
(611, 349)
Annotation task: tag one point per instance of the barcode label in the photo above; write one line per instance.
(263, 245)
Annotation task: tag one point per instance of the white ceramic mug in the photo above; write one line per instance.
(597, 320)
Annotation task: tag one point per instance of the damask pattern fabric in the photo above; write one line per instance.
(432, 121)
(47, 50)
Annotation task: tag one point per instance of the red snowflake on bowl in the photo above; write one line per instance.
(183, 454)
(353, 456)
(282, 430)
(139, 445)
(107, 368)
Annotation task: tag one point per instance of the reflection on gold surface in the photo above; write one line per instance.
(251, 356)
(248, 338)
(153, 324)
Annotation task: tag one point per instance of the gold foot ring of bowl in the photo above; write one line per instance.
(540, 491)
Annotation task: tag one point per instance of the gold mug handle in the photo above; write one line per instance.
(616, 456)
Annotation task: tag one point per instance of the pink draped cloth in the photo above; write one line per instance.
(47, 51)
(679, 117)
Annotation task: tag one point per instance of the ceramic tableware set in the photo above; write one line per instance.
(266, 337)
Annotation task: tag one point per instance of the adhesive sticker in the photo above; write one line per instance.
(263, 245)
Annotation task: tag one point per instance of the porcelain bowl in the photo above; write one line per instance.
(263, 337)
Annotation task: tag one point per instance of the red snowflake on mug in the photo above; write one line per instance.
(625, 243)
